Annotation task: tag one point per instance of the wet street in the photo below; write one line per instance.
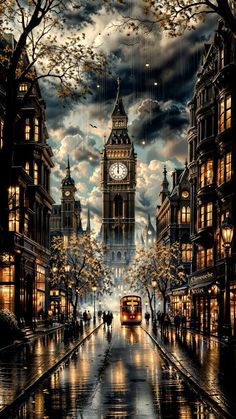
(116, 373)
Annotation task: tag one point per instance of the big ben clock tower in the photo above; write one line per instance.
(118, 178)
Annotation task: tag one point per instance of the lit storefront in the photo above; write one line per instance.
(207, 303)
(7, 285)
(181, 302)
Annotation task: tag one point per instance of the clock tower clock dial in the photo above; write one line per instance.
(67, 193)
(118, 181)
(118, 171)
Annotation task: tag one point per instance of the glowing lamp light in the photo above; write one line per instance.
(67, 268)
(98, 85)
(227, 231)
(155, 83)
(147, 65)
(94, 288)
(154, 283)
(143, 142)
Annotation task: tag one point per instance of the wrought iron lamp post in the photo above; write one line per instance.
(94, 288)
(227, 231)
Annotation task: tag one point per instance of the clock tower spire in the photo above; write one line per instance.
(118, 179)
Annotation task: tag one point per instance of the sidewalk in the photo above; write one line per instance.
(21, 367)
(35, 334)
(207, 363)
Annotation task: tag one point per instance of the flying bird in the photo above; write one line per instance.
(94, 126)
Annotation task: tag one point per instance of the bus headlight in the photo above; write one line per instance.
(139, 317)
(124, 317)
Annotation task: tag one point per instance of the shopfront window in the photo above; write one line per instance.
(7, 288)
(40, 290)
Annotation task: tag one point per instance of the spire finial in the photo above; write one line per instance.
(165, 172)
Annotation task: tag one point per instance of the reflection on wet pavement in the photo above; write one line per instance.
(116, 373)
(19, 368)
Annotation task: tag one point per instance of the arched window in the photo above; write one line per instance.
(118, 202)
(113, 256)
(118, 255)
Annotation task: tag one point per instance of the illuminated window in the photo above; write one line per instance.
(7, 297)
(1, 134)
(204, 257)
(224, 171)
(209, 257)
(221, 57)
(228, 167)
(186, 252)
(185, 214)
(40, 287)
(209, 214)
(36, 173)
(26, 224)
(27, 168)
(224, 113)
(27, 129)
(36, 129)
(200, 258)
(14, 208)
(23, 87)
(7, 268)
(205, 215)
(206, 173)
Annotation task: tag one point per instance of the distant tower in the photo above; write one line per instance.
(118, 174)
(165, 187)
(70, 211)
(150, 233)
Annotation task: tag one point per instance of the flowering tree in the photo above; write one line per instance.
(159, 263)
(77, 266)
(176, 16)
(39, 40)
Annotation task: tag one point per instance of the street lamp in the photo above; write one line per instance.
(146, 304)
(227, 231)
(154, 284)
(67, 270)
(94, 288)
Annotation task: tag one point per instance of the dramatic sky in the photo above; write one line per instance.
(155, 97)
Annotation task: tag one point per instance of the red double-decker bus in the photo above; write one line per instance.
(131, 309)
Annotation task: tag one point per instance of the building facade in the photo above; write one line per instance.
(212, 174)
(173, 225)
(65, 221)
(118, 180)
(24, 243)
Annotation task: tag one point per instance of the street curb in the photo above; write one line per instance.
(191, 380)
(6, 410)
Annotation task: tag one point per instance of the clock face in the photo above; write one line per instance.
(185, 194)
(67, 193)
(118, 171)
